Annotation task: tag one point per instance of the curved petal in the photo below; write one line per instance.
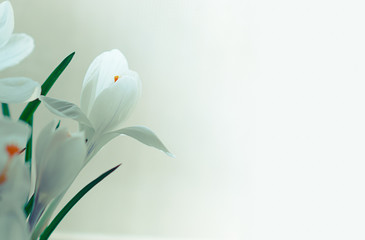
(88, 131)
(59, 158)
(16, 49)
(13, 132)
(100, 75)
(65, 109)
(63, 162)
(13, 223)
(43, 140)
(16, 187)
(6, 22)
(17, 90)
(140, 133)
(114, 104)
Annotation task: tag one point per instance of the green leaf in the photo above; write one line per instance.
(46, 86)
(58, 124)
(28, 149)
(28, 207)
(6, 111)
(28, 159)
(48, 231)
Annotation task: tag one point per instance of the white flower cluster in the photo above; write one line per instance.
(109, 92)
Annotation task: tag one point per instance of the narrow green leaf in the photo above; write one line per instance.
(58, 124)
(28, 149)
(48, 231)
(28, 207)
(28, 159)
(46, 86)
(6, 111)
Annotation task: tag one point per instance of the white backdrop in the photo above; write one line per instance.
(261, 101)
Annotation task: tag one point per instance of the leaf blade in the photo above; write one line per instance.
(29, 147)
(48, 231)
(29, 206)
(46, 86)
(6, 110)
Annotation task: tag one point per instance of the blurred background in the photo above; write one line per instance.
(261, 102)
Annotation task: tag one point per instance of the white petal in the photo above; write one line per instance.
(17, 131)
(13, 223)
(12, 132)
(17, 90)
(100, 75)
(43, 141)
(88, 131)
(65, 109)
(17, 185)
(6, 22)
(16, 49)
(140, 133)
(61, 167)
(114, 104)
(54, 173)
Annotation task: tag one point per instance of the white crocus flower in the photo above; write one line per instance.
(14, 180)
(59, 159)
(14, 47)
(14, 174)
(109, 93)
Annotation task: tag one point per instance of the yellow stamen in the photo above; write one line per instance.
(116, 77)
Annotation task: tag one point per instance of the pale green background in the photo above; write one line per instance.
(193, 58)
(261, 101)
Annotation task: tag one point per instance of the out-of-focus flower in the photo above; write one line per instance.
(14, 180)
(13, 225)
(14, 47)
(59, 158)
(14, 174)
(110, 91)
(18, 89)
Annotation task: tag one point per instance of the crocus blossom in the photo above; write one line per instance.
(109, 93)
(14, 174)
(14, 180)
(14, 47)
(59, 158)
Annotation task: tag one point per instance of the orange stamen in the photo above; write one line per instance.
(12, 150)
(2, 178)
(5, 171)
(116, 78)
